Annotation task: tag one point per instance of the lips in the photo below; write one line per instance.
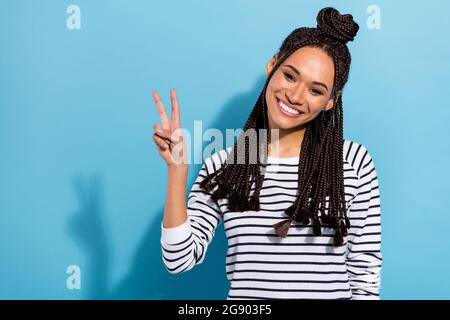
(288, 105)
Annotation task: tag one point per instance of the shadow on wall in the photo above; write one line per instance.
(147, 277)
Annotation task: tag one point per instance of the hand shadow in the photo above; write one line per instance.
(147, 277)
(86, 226)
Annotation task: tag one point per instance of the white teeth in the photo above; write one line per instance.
(287, 109)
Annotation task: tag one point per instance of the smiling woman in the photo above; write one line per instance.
(323, 186)
(302, 99)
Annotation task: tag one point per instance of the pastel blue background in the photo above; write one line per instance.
(76, 120)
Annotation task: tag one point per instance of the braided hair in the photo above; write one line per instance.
(320, 168)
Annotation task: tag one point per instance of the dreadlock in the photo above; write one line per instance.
(320, 168)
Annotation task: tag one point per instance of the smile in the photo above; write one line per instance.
(287, 110)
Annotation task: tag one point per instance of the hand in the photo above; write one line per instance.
(168, 136)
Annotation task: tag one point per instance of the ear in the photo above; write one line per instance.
(330, 103)
(271, 64)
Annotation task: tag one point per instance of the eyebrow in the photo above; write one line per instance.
(315, 82)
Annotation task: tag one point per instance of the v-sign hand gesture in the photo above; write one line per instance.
(168, 136)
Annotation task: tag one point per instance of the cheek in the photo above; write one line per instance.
(315, 107)
(316, 103)
(270, 98)
(277, 82)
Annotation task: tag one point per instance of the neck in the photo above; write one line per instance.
(289, 142)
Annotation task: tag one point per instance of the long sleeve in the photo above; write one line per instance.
(364, 240)
(185, 246)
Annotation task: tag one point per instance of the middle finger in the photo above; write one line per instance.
(161, 110)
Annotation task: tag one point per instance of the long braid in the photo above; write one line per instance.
(320, 167)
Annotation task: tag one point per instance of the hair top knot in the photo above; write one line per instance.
(336, 25)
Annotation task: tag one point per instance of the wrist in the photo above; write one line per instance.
(178, 169)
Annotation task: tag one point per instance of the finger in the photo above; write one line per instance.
(162, 139)
(162, 132)
(175, 106)
(167, 140)
(160, 142)
(170, 137)
(161, 149)
(161, 109)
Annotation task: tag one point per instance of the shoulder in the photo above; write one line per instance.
(357, 156)
(354, 153)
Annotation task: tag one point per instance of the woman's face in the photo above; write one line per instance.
(300, 88)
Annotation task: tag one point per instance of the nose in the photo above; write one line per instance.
(296, 95)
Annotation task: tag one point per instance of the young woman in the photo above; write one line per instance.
(303, 223)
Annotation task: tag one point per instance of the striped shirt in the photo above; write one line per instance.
(260, 264)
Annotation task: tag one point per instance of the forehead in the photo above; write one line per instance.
(313, 63)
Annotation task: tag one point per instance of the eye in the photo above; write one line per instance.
(316, 92)
(288, 76)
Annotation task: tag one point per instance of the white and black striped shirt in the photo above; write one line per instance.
(260, 264)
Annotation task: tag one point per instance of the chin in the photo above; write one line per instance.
(284, 123)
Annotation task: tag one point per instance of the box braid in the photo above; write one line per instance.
(320, 167)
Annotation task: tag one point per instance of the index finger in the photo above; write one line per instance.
(161, 110)
(175, 106)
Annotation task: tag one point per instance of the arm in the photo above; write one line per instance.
(364, 240)
(185, 245)
(175, 207)
(185, 231)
